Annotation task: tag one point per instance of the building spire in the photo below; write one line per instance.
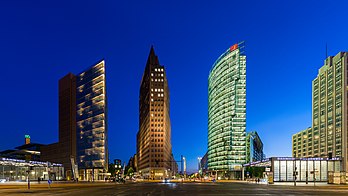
(152, 59)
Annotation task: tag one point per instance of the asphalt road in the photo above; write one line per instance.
(180, 189)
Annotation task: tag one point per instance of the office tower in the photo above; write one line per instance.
(300, 143)
(82, 125)
(154, 149)
(328, 136)
(227, 113)
(65, 148)
(254, 147)
(91, 119)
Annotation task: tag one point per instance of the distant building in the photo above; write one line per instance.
(154, 148)
(254, 147)
(174, 165)
(82, 125)
(131, 162)
(204, 164)
(227, 113)
(27, 139)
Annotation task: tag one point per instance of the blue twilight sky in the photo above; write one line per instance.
(41, 41)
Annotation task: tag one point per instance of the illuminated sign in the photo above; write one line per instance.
(235, 46)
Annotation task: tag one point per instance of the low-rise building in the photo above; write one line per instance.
(301, 143)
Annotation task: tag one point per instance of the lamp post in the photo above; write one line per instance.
(28, 179)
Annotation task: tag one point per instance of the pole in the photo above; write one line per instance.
(242, 173)
(295, 175)
(28, 179)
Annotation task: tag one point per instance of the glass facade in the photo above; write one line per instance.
(307, 169)
(227, 111)
(310, 168)
(254, 147)
(92, 151)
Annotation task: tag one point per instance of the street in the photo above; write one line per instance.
(235, 188)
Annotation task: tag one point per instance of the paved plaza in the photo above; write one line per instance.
(192, 188)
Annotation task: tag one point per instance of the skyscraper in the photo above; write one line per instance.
(227, 113)
(328, 135)
(91, 119)
(65, 148)
(82, 125)
(154, 148)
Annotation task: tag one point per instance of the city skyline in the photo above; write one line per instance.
(284, 51)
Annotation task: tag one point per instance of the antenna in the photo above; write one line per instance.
(326, 51)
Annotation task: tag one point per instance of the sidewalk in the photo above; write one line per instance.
(303, 184)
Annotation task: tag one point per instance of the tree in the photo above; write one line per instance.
(130, 172)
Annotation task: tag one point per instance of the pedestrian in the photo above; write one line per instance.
(258, 180)
(38, 180)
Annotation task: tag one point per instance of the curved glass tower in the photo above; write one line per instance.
(227, 113)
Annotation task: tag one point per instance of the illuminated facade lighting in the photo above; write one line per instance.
(82, 125)
(92, 151)
(154, 149)
(227, 112)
